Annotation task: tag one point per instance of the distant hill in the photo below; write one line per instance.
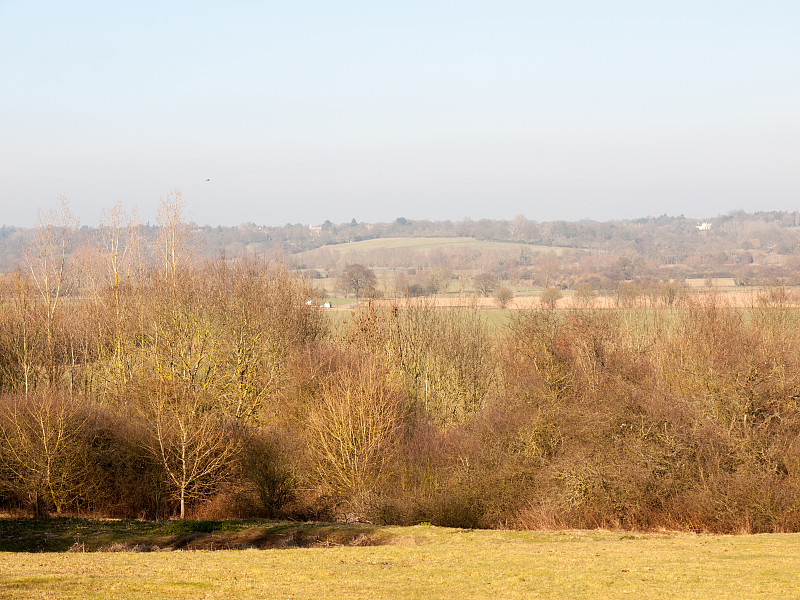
(745, 247)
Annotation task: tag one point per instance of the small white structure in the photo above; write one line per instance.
(703, 226)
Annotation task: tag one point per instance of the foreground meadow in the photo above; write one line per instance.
(430, 562)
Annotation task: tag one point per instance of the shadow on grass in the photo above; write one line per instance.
(93, 535)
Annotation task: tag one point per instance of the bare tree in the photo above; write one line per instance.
(438, 280)
(190, 442)
(503, 296)
(18, 321)
(258, 315)
(358, 279)
(174, 241)
(46, 260)
(584, 296)
(485, 283)
(354, 428)
(112, 265)
(40, 445)
(550, 297)
(181, 368)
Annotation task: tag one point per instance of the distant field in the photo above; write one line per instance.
(412, 251)
(431, 563)
(426, 243)
(727, 283)
(739, 298)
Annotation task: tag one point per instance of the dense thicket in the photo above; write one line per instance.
(148, 384)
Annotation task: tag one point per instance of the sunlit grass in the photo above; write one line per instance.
(427, 562)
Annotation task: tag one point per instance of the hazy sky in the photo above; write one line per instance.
(307, 110)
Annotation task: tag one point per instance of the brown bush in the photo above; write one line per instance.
(267, 474)
(445, 359)
(353, 430)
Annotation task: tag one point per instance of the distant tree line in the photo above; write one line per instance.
(752, 248)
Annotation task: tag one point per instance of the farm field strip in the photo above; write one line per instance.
(746, 299)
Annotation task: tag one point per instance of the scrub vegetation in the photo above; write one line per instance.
(140, 381)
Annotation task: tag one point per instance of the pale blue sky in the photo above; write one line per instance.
(305, 111)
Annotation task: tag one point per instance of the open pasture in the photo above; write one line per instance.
(426, 243)
(429, 562)
(420, 253)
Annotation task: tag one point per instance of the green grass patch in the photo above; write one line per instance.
(426, 243)
(432, 563)
(408, 250)
(496, 319)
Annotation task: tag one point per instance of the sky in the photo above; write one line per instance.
(306, 111)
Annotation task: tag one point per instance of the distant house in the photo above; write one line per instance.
(703, 226)
(325, 305)
(315, 229)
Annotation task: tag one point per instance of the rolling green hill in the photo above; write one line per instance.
(427, 243)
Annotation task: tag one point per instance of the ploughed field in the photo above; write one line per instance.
(174, 559)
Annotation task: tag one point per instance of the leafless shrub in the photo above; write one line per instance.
(353, 429)
(265, 467)
(550, 297)
(503, 296)
(43, 450)
(444, 358)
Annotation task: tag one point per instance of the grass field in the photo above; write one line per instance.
(426, 243)
(429, 562)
